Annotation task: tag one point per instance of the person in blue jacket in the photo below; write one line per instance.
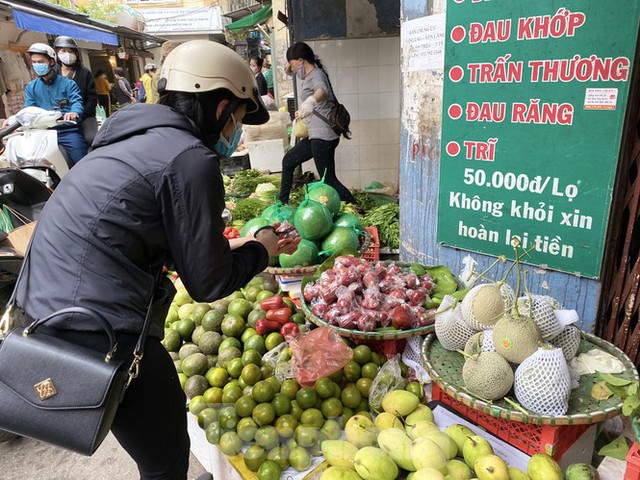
(52, 91)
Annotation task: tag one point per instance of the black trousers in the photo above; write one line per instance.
(151, 422)
(323, 154)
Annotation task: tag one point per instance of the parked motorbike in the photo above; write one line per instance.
(32, 145)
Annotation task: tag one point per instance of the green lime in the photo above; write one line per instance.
(234, 367)
(280, 455)
(286, 425)
(263, 391)
(306, 398)
(231, 395)
(212, 321)
(290, 387)
(369, 370)
(331, 408)
(251, 293)
(257, 343)
(324, 387)
(313, 417)
(245, 406)
(197, 404)
(212, 396)
(248, 332)
(416, 389)
(267, 437)
(272, 341)
(240, 306)
(298, 318)
(352, 371)
(263, 295)
(228, 418)
(241, 383)
(213, 432)
(217, 376)
(263, 414)
(251, 356)
(254, 456)
(351, 396)
(251, 373)
(172, 340)
(267, 370)
(233, 325)
(274, 383)
(296, 411)
(306, 435)
(364, 385)
(184, 328)
(331, 429)
(338, 377)
(255, 315)
(281, 404)
(199, 311)
(347, 413)
(230, 342)
(206, 416)
(230, 443)
(246, 429)
(299, 458)
(379, 359)
(269, 470)
(362, 354)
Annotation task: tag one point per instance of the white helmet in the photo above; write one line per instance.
(42, 49)
(203, 66)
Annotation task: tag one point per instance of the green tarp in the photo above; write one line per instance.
(259, 16)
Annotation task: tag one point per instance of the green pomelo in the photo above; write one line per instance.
(349, 220)
(313, 220)
(306, 254)
(339, 239)
(252, 225)
(326, 195)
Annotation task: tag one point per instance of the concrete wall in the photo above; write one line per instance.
(419, 177)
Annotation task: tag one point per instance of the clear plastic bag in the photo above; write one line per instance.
(389, 378)
(299, 129)
(318, 353)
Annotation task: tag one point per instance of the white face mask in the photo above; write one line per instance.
(67, 58)
(255, 70)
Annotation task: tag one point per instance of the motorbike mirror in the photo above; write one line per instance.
(37, 118)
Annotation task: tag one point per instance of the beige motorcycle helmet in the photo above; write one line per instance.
(199, 66)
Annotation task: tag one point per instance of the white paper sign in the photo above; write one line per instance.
(423, 42)
(601, 99)
(203, 19)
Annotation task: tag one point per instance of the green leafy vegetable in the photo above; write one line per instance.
(387, 220)
(248, 208)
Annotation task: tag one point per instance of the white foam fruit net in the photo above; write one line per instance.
(542, 313)
(467, 309)
(542, 382)
(412, 358)
(480, 342)
(568, 341)
(451, 329)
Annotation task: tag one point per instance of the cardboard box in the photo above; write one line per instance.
(19, 238)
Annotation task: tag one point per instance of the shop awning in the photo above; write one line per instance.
(249, 21)
(45, 23)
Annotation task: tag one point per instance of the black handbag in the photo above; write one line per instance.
(338, 119)
(61, 392)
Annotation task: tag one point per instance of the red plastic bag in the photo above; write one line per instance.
(318, 353)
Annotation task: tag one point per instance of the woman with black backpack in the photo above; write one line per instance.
(317, 102)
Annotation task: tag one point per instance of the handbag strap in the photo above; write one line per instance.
(138, 351)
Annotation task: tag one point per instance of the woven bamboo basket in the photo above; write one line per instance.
(445, 369)
(365, 241)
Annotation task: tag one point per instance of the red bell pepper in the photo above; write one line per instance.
(280, 315)
(272, 303)
(264, 327)
(289, 328)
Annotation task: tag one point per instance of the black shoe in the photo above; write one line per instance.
(205, 476)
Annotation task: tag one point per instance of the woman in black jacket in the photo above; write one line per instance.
(70, 66)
